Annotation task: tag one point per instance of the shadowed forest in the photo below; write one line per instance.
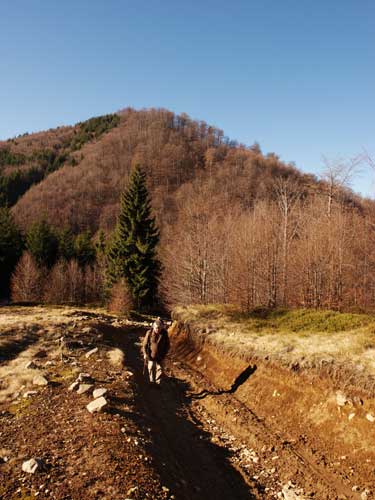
(236, 226)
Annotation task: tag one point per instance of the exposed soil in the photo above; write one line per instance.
(208, 433)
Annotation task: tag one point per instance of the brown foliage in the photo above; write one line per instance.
(27, 280)
(120, 300)
(69, 283)
(237, 226)
(174, 150)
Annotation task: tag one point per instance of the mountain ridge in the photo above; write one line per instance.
(84, 167)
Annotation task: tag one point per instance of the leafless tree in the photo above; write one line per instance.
(27, 280)
(338, 175)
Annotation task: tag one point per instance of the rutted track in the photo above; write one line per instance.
(210, 445)
(189, 463)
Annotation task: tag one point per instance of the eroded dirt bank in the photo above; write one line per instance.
(301, 426)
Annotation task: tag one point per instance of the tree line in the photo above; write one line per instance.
(52, 265)
(291, 251)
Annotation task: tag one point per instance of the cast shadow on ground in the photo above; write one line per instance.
(241, 379)
(186, 459)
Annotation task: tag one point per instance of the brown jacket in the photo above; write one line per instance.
(155, 346)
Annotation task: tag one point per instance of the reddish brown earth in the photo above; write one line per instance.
(192, 439)
(291, 420)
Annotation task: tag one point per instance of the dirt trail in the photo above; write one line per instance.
(189, 463)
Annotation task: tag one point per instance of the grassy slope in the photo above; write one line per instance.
(298, 338)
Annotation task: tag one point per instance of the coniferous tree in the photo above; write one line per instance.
(65, 240)
(11, 245)
(132, 253)
(84, 249)
(42, 243)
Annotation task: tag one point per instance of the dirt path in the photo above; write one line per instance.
(189, 463)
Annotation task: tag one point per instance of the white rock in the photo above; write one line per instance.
(30, 365)
(83, 376)
(351, 416)
(288, 493)
(40, 380)
(32, 465)
(74, 386)
(364, 495)
(93, 351)
(99, 392)
(370, 417)
(341, 399)
(29, 393)
(84, 388)
(96, 405)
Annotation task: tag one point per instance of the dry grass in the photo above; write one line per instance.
(116, 357)
(25, 332)
(299, 338)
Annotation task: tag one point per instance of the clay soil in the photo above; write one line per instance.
(199, 436)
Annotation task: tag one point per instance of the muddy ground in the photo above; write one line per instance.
(193, 438)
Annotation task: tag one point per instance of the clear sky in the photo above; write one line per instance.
(298, 76)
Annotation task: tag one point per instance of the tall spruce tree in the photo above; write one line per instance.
(132, 253)
(11, 246)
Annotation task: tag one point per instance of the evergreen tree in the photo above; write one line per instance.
(132, 252)
(65, 240)
(100, 244)
(84, 250)
(11, 246)
(42, 243)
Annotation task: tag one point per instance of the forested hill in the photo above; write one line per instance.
(74, 175)
(30, 158)
(236, 226)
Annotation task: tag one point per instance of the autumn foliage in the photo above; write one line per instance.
(236, 226)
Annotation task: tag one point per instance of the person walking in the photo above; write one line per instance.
(155, 347)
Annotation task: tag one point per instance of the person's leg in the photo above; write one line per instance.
(159, 373)
(151, 370)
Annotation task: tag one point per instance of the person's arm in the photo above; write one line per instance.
(144, 344)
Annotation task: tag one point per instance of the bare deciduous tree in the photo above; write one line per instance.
(27, 280)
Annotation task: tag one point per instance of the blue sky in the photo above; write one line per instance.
(295, 75)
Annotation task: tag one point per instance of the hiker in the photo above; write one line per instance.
(155, 347)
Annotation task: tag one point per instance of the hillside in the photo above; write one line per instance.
(29, 159)
(88, 171)
(247, 228)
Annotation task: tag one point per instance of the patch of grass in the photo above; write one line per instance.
(300, 337)
(23, 495)
(63, 375)
(21, 408)
(279, 320)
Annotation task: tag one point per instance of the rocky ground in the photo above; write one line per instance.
(186, 440)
